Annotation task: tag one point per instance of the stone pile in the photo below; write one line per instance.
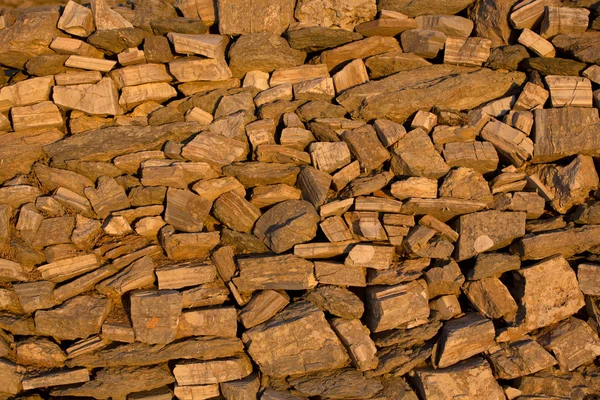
(294, 199)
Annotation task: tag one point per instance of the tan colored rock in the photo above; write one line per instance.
(511, 143)
(263, 307)
(548, 293)
(536, 43)
(471, 52)
(355, 337)
(559, 20)
(532, 97)
(216, 321)
(422, 42)
(392, 306)
(213, 371)
(77, 47)
(189, 69)
(526, 15)
(76, 20)
(26, 93)
(236, 212)
(491, 298)
(359, 49)
(99, 99)
(335, 13)
(569, 91)
(211, 46)
(415, 155)
(131, 56)
(354, 73)
(287, 272)
(294, 75)
(155, 315)
(386, 26)
(132, 96)
(140, 74)
(519, 358)
(472, 379)
(265, 16)
(43, 115)
(573, 343)
(298, 340)
(214, 149)
(65, 377)
(488, 230)
(107, 18)
(90, 63)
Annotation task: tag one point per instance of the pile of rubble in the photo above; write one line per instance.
(281, 199)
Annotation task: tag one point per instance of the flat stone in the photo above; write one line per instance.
(584, 47)
(472, 379)
(488, 230)
(554, 66)
(547, 293)
(335, 13)
(155, 315)
(248, 16)
(553, 140)
(297, 341)
(287, 224)
(339, 384)
(262, 52)
(506, 57)
(413, 8)
(77, 318)
(316, 38)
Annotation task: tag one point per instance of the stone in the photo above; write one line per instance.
(386, 64)
(394, 97)
(287, 224)
(488, 230)
(547, 293)
(570, 185)
(296, 341)
(155, 315)
(189, 69)
(212, 371)
(415, 155)
(472, 379)
(491, 298)
(335, 13)
(236, 212)
(40, 352)
(107, 197)
(573, 343)
(470, 52)
(85, 98)
(569, 91)
(263, 52)
(493, 264)
(581, 46)
(386, 26)
(76, 20)
(392, 306)
(465, 183)
(444, 279)
(26, 93)
(211, 46)
(528, 15)
(265, 16)
(119, 382)
(57, 378)
(424, 7)
(491, 21)
(186, 211)
(551, 140)
(512, 144)
(559, 20)
(506, 57)
(519, 358)
(355, 337)
(366, 147)
(29, 35)
(359, 49)
(242, 388)
(587, 275)
(268, 272)
(263, 307)
(536, 43)
(79, 317)
(344, 383)
(336, 301)
(316, 38)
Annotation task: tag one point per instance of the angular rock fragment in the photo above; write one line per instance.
(287, 224)
(355, 338)
(287, 272)
(213, 371)
(297, 341)
(340, 384)
(491, 298)
(155, 314)
(462, 338)
(519, 358)
(547, 293)
(414, 155)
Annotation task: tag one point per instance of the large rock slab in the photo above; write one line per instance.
(20, 150)
(399, 96)
(472, 379)
(138, 354)
(107, 143)
(297, 341)
(414, 8)
(29, 36)
(117, 383)
(547, 292)
(77, 318)
(250, 16)
(562, 132)
(344, 14)
(566, 242)
(287, 224)
(488, 230)
(262, 52)
(584, 46)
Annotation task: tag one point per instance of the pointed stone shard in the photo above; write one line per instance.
(297, 341)
(106, 18)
